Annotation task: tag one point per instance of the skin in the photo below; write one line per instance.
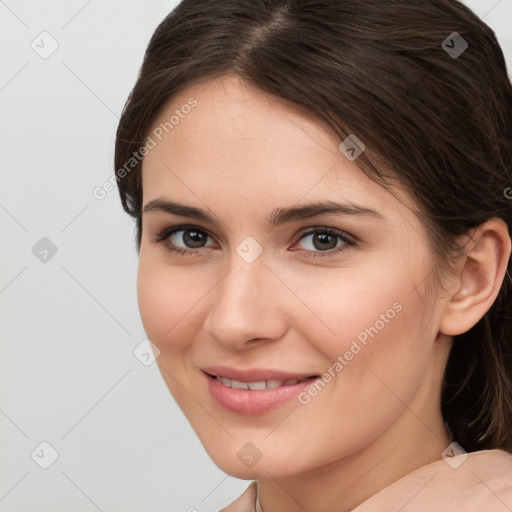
(240, 154)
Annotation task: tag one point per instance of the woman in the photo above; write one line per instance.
(322, 199)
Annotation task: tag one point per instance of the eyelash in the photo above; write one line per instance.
(163, 236)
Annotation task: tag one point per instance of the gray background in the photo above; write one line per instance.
(69, 320)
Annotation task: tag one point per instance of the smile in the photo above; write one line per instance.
(253, 392)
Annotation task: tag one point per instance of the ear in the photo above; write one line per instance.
(479, 279)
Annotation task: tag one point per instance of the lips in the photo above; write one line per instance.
(252, 402)
(254, 391)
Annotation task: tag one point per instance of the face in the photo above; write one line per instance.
(285, 290)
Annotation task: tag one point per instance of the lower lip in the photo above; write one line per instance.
(253, 402)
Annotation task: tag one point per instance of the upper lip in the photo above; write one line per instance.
(253, 374)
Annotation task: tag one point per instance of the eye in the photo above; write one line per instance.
(184, 240)
(321, 242)
(189, 240)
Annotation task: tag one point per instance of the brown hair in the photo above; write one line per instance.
(383, 71)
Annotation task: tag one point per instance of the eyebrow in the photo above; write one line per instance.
(279, 215)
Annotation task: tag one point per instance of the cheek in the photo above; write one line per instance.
(375, 337)
(356, 306)
(373, 366)
(166, 302)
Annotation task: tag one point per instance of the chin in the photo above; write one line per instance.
(236, 462)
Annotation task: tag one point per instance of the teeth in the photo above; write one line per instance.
(269, 384)
(257, 385)
(225, 381)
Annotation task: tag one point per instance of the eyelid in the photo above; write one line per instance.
(327, 229)
(348, 239)
(165, 233)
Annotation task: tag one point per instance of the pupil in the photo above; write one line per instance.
(323, 239)
(193, 239)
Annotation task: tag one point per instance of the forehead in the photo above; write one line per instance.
(242, 145)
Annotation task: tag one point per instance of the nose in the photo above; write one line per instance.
(246, 305)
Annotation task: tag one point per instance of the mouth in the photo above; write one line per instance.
(253, 392)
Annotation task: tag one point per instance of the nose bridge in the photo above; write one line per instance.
(243, 288)
(243, 305)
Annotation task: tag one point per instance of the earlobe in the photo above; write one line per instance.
(480, 279)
